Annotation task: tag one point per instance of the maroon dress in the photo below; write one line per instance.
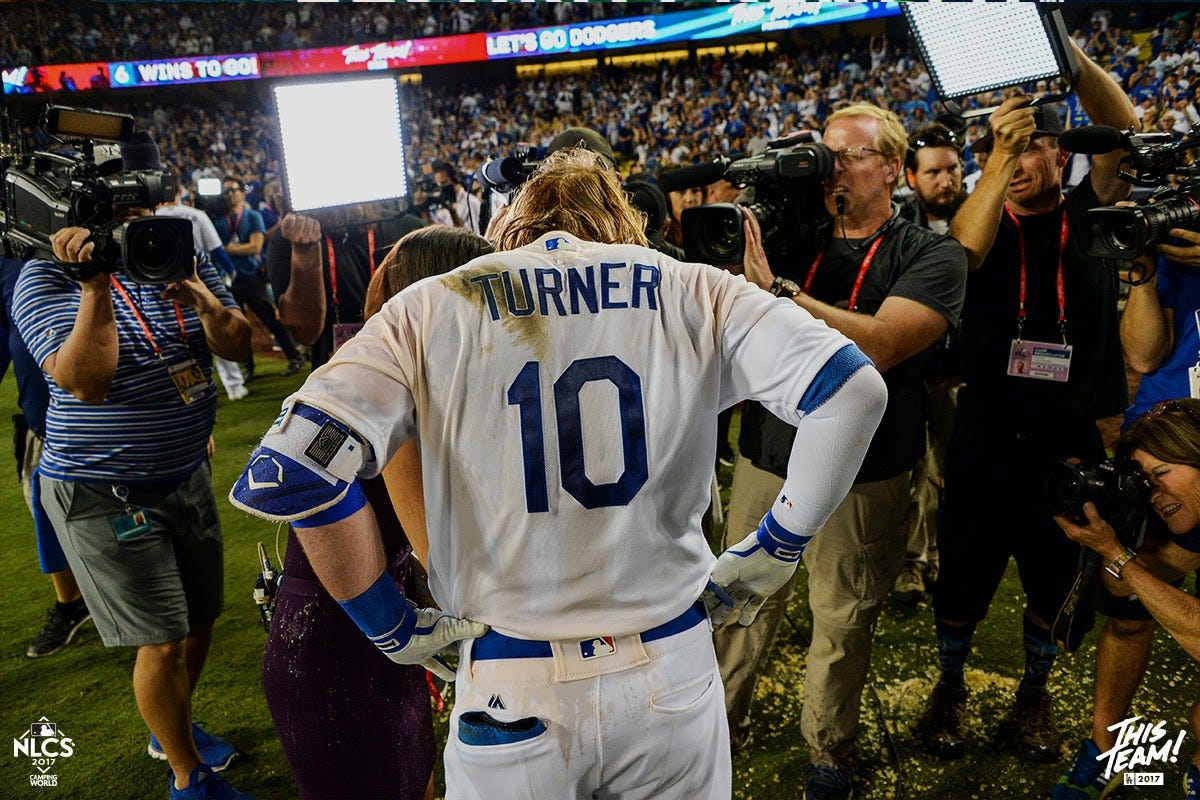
(352, 723)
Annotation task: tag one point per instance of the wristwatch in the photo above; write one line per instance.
(783, 287)
(1114, 568)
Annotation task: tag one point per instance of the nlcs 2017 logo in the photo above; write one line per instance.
(43, 745)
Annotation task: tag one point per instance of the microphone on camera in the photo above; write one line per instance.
(502, 174)
(691, 177)
(1094, 139)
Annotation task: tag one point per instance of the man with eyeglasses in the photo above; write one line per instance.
(933, 170)
(242, 231)
(1033, 296)
(893, 288)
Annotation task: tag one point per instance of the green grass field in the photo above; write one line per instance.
(85, 689)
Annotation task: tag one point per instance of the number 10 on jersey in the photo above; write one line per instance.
(526, 393)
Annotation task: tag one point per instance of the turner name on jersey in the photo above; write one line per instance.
(574, 290)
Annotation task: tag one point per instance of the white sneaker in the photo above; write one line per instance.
(237, 392)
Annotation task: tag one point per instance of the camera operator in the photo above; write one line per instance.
(320, 265)
(1165, 442)
(467, 207)
(1159, 336)
(124, 476)
(893, 288)
(1032, 291)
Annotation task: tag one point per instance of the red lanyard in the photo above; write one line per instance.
(858, 282)
(234, 223)
(1061, 288)
(332, 260)
(142, 320)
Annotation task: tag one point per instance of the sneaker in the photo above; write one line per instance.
(828, 783)
(1191, 783)
(62, 623)
(910, 585)
(1037, 730)
(294, 365)
(725, 455)
(941, 725)
(1085, 779)
(204, 784)
(237, 392)
(215, 752)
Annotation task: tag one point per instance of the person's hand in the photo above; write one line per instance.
(755, 266)
(435, 634)
(1097, 534)
(300, 230)
(210, 449)
(1188, 254)
(743, 578)
(1012, 125)
(190, 291)
(71, 246)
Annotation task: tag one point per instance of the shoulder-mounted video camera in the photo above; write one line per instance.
(435, 195)
(1125, 232)
(45, 192)
(787, 202)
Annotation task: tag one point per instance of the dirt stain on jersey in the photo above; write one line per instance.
(530, 330)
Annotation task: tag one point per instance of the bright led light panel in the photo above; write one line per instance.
(342, 141)
(977, 47)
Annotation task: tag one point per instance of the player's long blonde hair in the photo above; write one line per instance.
(573, 191)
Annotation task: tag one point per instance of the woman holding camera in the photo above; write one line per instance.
(1165, 442)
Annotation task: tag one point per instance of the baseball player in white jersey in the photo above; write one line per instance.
(564, 393)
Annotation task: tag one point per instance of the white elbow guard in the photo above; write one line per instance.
(307, 464)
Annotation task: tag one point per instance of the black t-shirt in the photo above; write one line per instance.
(912, 263)
(353, 267)
(1096, 382)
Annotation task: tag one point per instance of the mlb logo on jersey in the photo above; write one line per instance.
(558, 243)
(599, 647)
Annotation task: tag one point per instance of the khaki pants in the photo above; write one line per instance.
(852, 564)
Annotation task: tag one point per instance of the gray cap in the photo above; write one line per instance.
(585, 137)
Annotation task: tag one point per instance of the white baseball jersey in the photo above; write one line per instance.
(565, 398)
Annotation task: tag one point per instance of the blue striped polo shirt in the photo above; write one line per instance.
(142, 432)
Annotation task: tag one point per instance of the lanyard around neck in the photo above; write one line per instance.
(858, 281)
(332, 261)
(1059, 285)
(142, 320)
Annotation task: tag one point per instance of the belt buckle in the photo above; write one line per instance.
(597, 647)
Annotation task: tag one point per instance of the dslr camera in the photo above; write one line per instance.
(1116, 486)
(1123, 233)
(786, 182)
(45, 192)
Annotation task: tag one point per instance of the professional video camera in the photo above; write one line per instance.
(435, 196)
(507, 174)
(1126, 232)
(1118, 487)
(787, 201)
(45, 192)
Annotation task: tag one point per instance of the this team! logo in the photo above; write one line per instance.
(43, 744)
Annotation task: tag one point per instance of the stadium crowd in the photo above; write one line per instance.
(652, 119)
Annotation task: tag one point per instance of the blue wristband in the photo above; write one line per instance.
(382, 613)
(779, 542)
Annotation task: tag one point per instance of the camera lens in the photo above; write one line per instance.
(724, 238)
(157, 250)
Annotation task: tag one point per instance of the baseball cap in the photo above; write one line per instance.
(140, 152)
(585, 137)
(1046, 121)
